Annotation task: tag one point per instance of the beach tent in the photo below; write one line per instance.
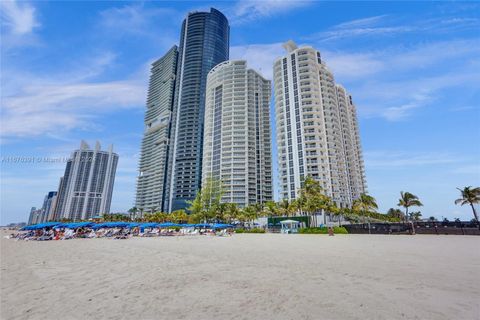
(149, 225)
(168, 225)
(221, 226)
(74, 225)
(187, 225)
(289, 226)
(133, 224)
(41, 226)
(203, 225)
(111, 225)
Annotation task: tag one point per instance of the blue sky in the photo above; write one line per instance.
(79, 70)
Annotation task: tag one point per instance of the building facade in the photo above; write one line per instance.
(155, 144)
(48, 207)
(317, 129)
(86, 188)
(34, 215)
(204, 43)
(237, 141)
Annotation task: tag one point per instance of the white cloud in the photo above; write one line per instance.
(395, 82)
(382, 81)
(364, 22)
(260, 57)
(401, 159)
(403, 111)
(136, 19)
(386, 25)
(19, 18)
(345, 65)
(37, 105)
(470, 170)
(360, 27)
(52, 108)
(249, 10)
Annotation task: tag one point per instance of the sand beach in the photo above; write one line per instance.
(245, 276)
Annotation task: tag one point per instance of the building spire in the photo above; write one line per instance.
(290, 45)
(84, 145)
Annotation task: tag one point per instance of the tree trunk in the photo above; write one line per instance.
(368, 221)
(474, 212)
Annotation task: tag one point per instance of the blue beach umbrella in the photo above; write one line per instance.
(111, 225)
(41, 226)
(203, 225)
(187, 225)
(133, 224)
(168, 224)
(75, 225)
(149, 225)
(118, 224)
(221, 226)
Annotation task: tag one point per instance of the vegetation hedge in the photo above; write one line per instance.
(254, 230)
(322, 230)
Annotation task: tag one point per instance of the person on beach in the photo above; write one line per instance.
(330, 231)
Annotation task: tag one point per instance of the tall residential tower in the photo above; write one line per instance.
(155, 143)
(87, 185)
(237, 142)
(204, 43)
(317, 129)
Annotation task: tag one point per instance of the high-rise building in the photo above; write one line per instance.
(56, 214)
(33, 217)
(351, 143)
(155, 143)
(317, 129)
(204, 43)
(48, 207)
(237, 142)
(87, 185)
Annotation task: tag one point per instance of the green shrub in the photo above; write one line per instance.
(322, 230)
(254, 230)
(313, 230)
(340, 230)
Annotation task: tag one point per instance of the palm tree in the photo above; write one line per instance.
(326, 204)
(132, 212)
(407, 200)
(270, 209)
(286, 207)
(395, 213)
(311, 198)
(251, 213)
(232, 213)
(197, 208)
(364, 204)
(220, 211)
(416, 215)
(178, 216)
(470, 196)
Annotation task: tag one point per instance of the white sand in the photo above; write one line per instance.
(243, 277)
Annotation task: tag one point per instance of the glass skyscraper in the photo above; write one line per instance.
(204, 43)
(155, 143)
